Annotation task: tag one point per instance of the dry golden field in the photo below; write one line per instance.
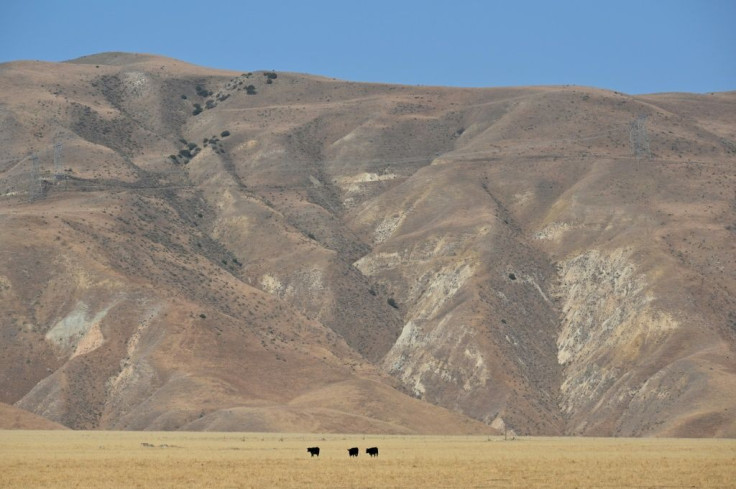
(156, 460)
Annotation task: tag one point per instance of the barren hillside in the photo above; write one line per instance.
(185, 248)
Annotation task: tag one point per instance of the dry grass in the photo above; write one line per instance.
(100, 460)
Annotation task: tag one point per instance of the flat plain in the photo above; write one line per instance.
(160, 460)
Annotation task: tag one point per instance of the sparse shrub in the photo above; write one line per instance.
(512, 276)
(197, 109)
(203, 316)
(392, 303)
(183, 97)
(271, 75)
(203, 92)
(250, 90)
(225, 134)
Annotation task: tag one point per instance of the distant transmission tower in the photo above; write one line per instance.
(638, 137)
(34, 189)
(58, 172)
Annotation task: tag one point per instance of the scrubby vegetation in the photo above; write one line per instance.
(203, 92)
(186, 153)
(214, 143)
(210, 99)
(189, 150)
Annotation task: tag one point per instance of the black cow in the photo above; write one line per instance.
(373, 451)
(353, 452)
(313, 451)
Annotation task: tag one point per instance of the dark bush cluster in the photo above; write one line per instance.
(189, 151)
(270, 76)
(215, 144)
(203, 92)
(209, 102)
(235, 84)
(239, 82)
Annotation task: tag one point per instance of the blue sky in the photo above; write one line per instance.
(635, 47)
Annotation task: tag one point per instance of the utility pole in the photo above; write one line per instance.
(34, 189)
(638, 137)
(58, 172)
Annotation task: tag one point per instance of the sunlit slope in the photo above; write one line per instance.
(281, 252)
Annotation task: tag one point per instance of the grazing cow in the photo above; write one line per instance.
(373, 451)
(353, 452)
(313, 451)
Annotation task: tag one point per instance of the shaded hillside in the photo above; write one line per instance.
(13, 418)
(272, 251)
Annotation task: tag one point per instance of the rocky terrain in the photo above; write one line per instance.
(191, 249)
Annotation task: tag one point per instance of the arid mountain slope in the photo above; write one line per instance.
(13, 418)
(272, 251)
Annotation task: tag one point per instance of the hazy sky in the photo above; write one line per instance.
(634, 47)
